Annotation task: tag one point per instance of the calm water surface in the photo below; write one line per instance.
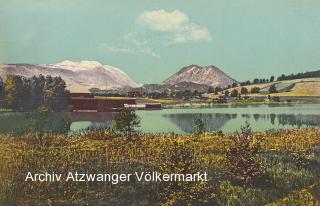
(230, 118)
(227, 118)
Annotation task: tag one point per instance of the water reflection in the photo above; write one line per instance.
(223, 117)
(216, 122)
(24, 122)
(213, 122)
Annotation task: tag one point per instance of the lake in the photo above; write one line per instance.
(230, 118)
(225, 118)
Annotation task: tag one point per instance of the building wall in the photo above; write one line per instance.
(99, 105)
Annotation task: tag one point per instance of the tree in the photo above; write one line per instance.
(271, 78)
(234, 84)
(32, 93)
(210, 90)
(226, 93)
(37, 85)
(25, 96)
(55, 94)
(199, 127)
(234, 93)
(126, 122)
(244, 91)
(273, 89)
(217, 90)
(255, 90)
(256, 81)
(14, 91)
(2, 94)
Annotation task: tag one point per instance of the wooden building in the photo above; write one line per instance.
(83, 102)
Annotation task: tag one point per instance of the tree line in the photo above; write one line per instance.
(312, 74)
(35, 93)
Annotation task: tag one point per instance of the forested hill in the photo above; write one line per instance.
(312, 74)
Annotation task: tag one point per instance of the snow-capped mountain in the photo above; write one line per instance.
(208, 75)
(79, 76)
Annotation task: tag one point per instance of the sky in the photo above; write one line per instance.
(152, 39)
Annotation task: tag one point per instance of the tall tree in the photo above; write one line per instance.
(244, 91)
(271, 78)
(2, 96)
(37, 85)
(14, 91)
(126, 122)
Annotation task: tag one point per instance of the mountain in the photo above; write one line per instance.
(208, 75)
(79, 76)
(180, 86)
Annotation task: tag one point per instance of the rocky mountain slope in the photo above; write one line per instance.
(208, 75)
(79, 76)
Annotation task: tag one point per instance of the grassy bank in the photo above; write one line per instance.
(291, 160)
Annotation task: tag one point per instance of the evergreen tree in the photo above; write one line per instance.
(14, 92)
(32, 93)
(199, 127)
(2, 95)
(37, 86)
(126, 122)
(271, 78)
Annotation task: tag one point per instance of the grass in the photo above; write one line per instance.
(5, 110)
(162, 101)
(102, 97)
(291, 159)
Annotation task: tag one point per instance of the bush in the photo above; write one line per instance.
(234, 93)
(255, 90)
(242, 156)
(199, 127)
(273, 89)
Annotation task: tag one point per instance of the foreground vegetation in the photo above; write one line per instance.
(287, 164)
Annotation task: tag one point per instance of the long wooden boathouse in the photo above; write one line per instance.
(86, 102)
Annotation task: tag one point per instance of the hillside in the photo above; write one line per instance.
(297, 87)
(79, 76)
(208, 75)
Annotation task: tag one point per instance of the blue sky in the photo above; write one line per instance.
(152, 39)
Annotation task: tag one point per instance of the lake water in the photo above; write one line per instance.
(227, 118)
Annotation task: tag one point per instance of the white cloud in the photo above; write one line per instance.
(176, 23)
(129, 44)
